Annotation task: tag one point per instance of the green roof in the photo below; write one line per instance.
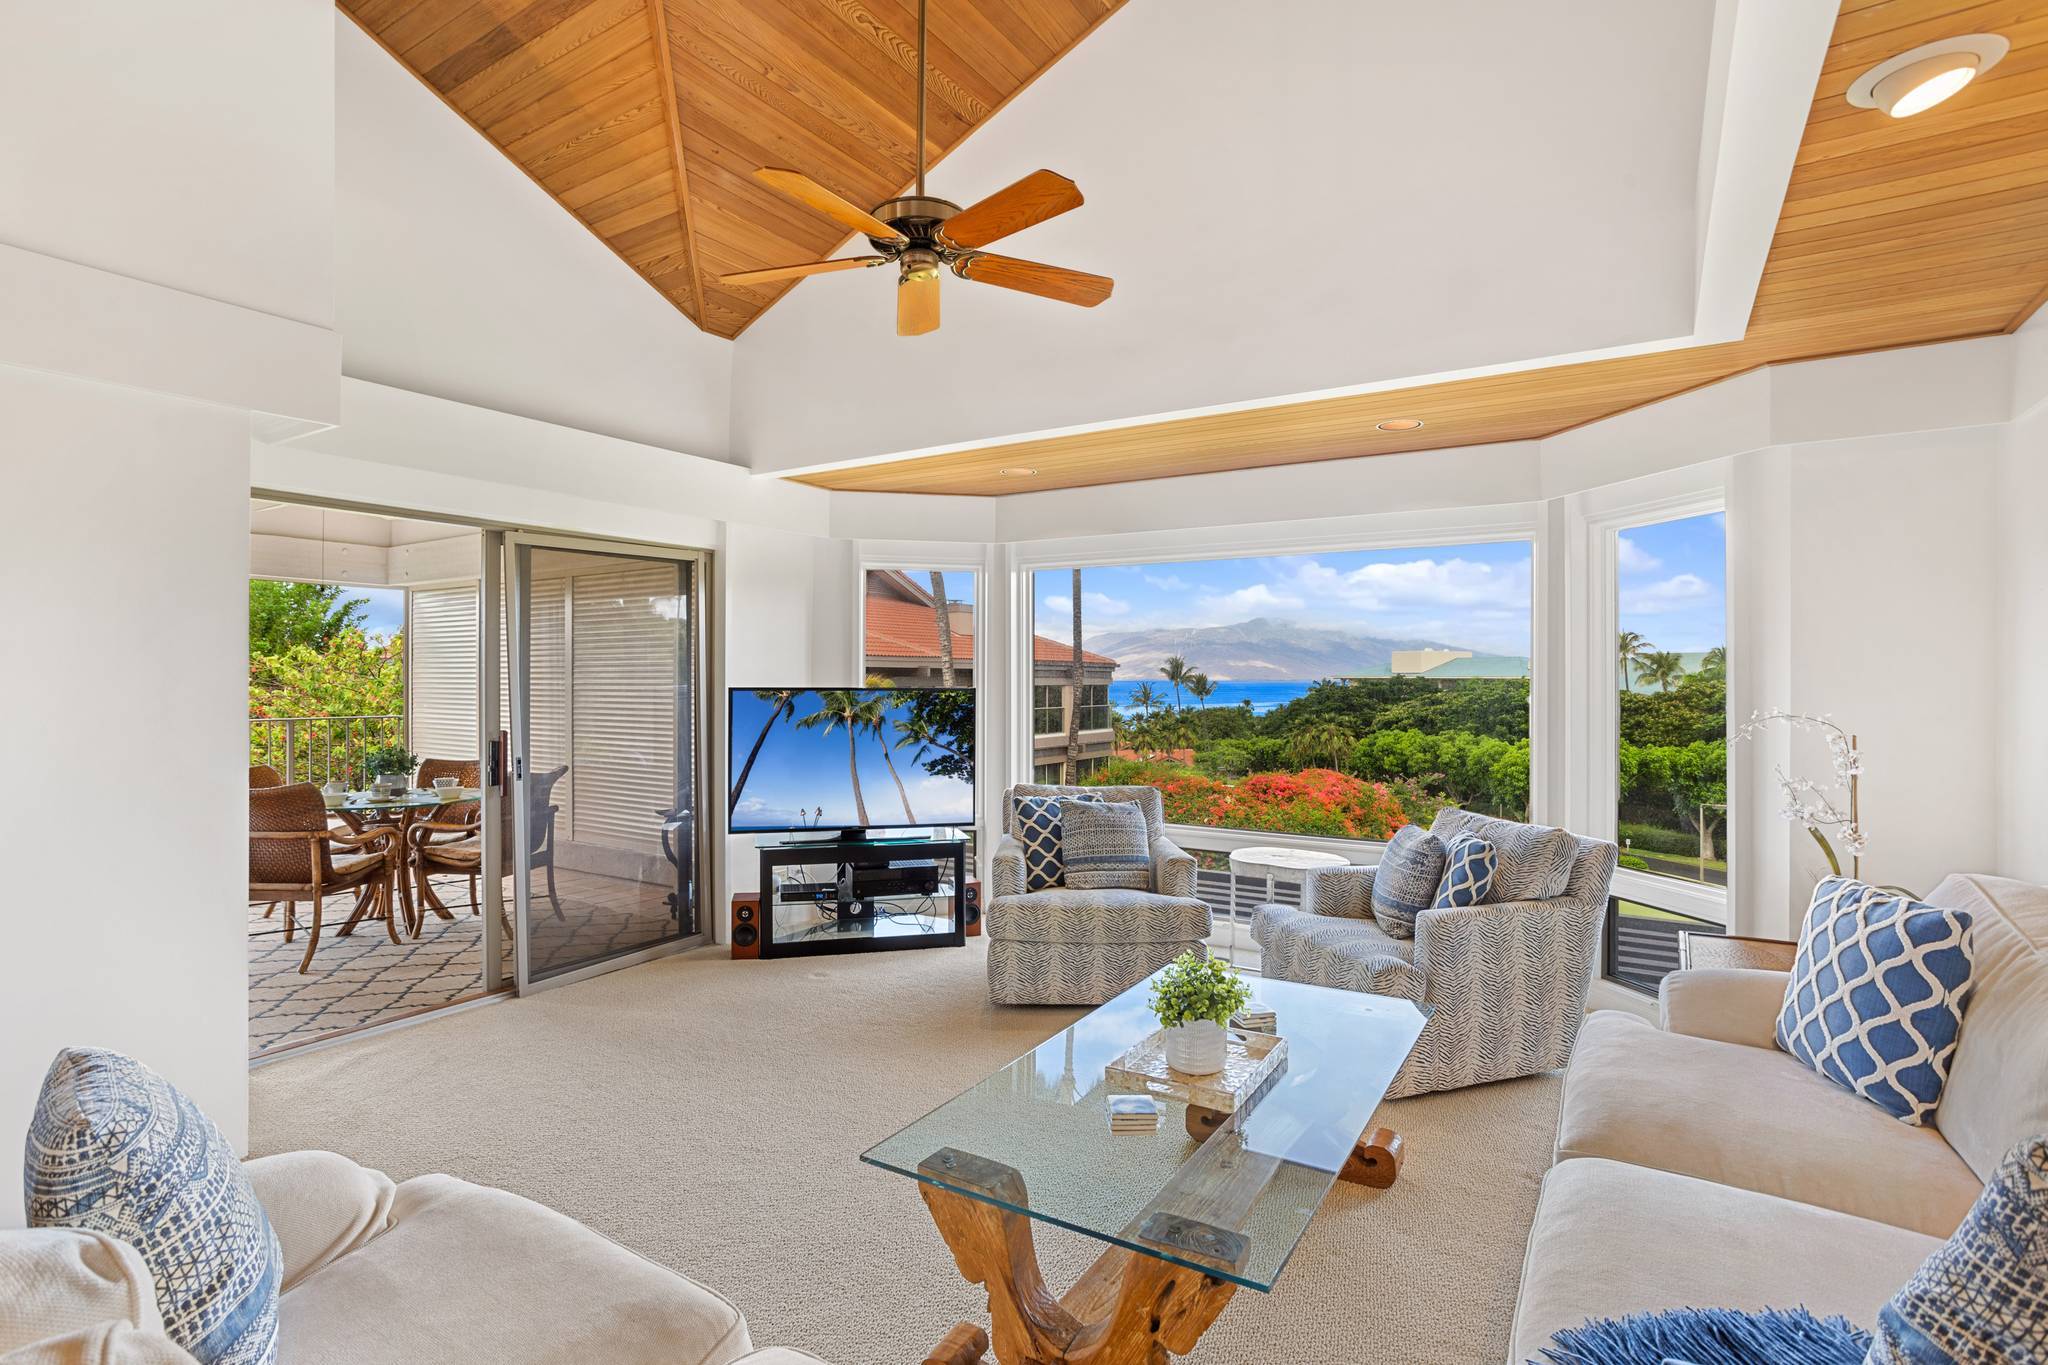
(1481, 666)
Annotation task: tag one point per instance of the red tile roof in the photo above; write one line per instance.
(906, 630)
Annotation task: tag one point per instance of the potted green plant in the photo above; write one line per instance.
(390, 765)
(1195, 998)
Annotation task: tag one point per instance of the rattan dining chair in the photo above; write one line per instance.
(457, 846)
(292, 858)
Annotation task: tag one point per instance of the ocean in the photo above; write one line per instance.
(1264, 696)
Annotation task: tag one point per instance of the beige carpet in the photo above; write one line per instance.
(710, 1114)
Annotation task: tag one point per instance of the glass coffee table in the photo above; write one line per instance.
(1208, 1203)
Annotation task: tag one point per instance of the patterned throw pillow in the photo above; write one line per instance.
(1104, 844)
(1984, 1296)
(1532, 862)
(115, 1148)
(1405, 884)
(1035, 820)
(1468, 873)
(1877, 995)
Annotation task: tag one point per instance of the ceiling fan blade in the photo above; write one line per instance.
(1037, 197)
(797, 272)
(805, 190)
(917, 303)
(1046, 281)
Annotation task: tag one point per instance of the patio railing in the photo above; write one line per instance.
(319, 749)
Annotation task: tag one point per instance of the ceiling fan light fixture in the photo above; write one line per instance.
(1400, 424)
(1914, 82)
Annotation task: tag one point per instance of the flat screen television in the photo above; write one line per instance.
(833, 760)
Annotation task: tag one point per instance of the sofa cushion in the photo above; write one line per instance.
(1754, 1118)
(1333, 950)
(1984, 1296)
(1877, 995)
(321, 1204)
(1035, 821)
(1404, 884)
(1535, 861)
(107, 1343)
(1146, 799)
(115, 1148)
(55, 1281)
(1067, 915)
(1997, 1091)
(1104, 845)
(555, 1291)
(1469, 869)
(1611, 1239)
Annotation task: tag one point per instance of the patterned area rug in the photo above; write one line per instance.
(710, 1114)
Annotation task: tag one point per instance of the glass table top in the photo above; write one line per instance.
(410, 798)
(1234, 1204)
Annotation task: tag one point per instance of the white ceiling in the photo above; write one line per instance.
(1293, 198)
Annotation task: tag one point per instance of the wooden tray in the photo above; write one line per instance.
(1249, 1061)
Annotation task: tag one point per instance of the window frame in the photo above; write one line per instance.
(1523, 521)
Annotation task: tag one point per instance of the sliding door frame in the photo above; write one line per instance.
(519, 546)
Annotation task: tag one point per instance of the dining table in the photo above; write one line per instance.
(398, 811)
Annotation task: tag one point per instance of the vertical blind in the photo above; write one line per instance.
(440, 671)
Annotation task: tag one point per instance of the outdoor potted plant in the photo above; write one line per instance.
(390, 766)
(1195, 998)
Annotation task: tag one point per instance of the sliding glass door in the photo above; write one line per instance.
(604, 843)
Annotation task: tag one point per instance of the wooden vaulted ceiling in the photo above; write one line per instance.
(1894, 232)
(647, 118)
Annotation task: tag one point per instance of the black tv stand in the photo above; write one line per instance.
(840, 894)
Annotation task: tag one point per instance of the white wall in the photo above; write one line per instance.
(460, 277)
(2021, 624)
(123, 588)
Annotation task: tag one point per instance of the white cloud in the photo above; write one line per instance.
(1633, 558)
(1164, 582)
(1670, 594)
(1094, 605)
(1256, 600)
(1413, 583)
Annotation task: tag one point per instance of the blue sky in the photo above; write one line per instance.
(383, 609)
(1673, 581)
(1474, 596)
(801, 770)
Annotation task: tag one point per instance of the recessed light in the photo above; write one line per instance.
(1916, 81)
(1017, 471)
(1399, 424)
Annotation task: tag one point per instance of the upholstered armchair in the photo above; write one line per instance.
(1071, 946)
(1504, 984)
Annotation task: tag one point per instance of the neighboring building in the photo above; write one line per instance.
(1448, 665)
(902, 645)
(1409, 661)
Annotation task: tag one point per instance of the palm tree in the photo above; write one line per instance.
(1634, 648)
(1176, 671)
(778, 702)
(1144, 698)
(1201, 689)
(854, 712)
(945, 615)
(877, 723)
(1327, 741)
(1074, 683)
(1661, 667)
(1715, 662)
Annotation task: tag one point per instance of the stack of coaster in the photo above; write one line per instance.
(1256, 1018)
(1133, 1114)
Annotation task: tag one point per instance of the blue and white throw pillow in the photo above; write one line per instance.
(1877, 995)
(1984, 1296)
(1405, 884)
(1468, 873)
(115, 1148)
(1035, 820)
(1105, 845)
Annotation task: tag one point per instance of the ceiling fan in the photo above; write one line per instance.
(920, 234)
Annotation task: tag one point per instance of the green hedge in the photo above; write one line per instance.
(1655, 839)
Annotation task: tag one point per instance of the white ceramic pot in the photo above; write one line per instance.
(1196, 1049)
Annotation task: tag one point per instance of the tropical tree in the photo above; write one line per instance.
(1322, 745)
(779, 702)
(1075, 676)
(1176, 671)
(878, 725)
(1634, 649)
(283, 616)
(855, 712)
(1715, 662)
(1662, 667)
(944, 612)
(1201, 689)
(938, 729)
(1144, 698)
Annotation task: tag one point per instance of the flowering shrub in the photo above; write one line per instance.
(1312, 801)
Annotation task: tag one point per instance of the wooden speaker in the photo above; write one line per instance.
(746, 924)
(970, 909)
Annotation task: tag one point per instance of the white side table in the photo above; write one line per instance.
(1272, 859)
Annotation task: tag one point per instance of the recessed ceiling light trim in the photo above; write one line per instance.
(1016, 471)
(1400, 424)
(1893, 85)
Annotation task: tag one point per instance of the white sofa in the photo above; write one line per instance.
(433, 1269)
(1699, 1166)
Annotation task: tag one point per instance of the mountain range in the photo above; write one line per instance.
(1261, 648)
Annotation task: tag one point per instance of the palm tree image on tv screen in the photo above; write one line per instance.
(844, 758)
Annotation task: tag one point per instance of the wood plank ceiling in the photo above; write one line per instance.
(1894, 232)
(646, 118)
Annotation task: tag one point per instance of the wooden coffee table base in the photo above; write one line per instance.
(1374, 1161)
(1126, 1309)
